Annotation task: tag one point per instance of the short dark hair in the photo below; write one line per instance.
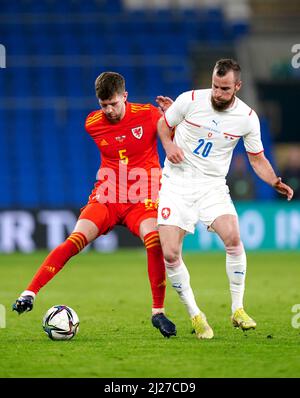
(108, 84)
(225, 65)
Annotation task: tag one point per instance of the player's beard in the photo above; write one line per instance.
(222, 104)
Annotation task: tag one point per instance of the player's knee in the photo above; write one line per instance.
(235, 248)
(170, 265)
(88, 228)
(172, 256)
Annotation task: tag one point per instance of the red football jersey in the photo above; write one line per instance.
(130, 169)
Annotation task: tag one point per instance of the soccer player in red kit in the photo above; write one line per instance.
(125, 193)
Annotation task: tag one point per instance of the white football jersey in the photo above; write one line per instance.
(208, 137)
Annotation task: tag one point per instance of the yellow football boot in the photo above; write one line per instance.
(201, 327)
(240, 319)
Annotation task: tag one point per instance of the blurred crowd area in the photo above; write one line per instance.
(55, 50)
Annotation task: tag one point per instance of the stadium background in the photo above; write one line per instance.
(51, 53)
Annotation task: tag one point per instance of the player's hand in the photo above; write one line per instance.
(163, 102)
(174, 154)
(283, 188)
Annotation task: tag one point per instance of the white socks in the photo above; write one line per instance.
(180, 280)
(28, 293)
(236, 264)
(156, 311)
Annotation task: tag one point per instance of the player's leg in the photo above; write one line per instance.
(227, 227)
(92, 222)
(141, 220)
(171, 238)
(178, 215)
(84, 232)
(157, 276)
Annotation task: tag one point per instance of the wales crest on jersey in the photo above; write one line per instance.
(137, 132)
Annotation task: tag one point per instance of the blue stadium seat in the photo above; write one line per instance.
(111, 7)
(10, 7)
(214, 25)
(6, 197)
(26, 193)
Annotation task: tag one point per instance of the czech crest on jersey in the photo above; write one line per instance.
(165, 212)
(137, 132)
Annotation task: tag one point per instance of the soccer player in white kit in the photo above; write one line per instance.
(208, 124)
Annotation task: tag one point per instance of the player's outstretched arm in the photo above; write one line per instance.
(265, 171)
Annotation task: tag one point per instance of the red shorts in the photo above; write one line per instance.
(107, 215)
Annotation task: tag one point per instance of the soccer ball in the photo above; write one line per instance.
(61, 322)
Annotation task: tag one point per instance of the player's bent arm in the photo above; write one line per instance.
(265, 171)
(173, 153)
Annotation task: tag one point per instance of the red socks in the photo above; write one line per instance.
(55, 261)
(156, 269)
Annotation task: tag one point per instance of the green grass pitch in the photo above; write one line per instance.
(111, 294)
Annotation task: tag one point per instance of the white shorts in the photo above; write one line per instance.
(185, 204)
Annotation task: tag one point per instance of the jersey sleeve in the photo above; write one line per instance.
(91, 121)
(176, 113)
(252, 140)
(155, 116)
